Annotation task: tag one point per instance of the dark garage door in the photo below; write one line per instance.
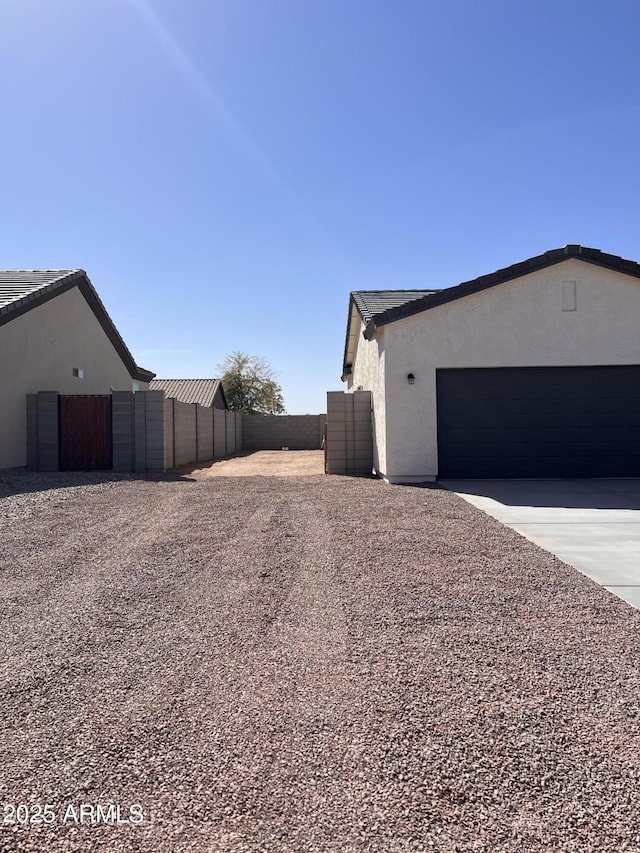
(539, 422)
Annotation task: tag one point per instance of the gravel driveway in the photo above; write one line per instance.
(304, 664)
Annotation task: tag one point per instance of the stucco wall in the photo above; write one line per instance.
(369, 374)
(517, 324)
(38, 352)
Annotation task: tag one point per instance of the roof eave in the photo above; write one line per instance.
(501, 276)
(346, 364)
(40, 297)
(95, 303)
(222, 392)
(144, 375)
(80, 279)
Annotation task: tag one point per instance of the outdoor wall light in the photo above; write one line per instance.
(411, 379)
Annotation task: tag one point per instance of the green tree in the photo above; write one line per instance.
(250, 386)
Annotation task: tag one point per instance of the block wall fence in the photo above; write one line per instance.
(273, 432)
(349, 444)
(152, 433)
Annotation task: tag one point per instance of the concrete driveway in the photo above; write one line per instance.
(593, 525)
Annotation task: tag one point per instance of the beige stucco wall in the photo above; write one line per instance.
(369, 374)
(38, 352)
(517, 324)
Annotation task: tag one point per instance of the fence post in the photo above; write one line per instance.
(122, 430)
(239, 434)
(197, 433)
(48, 421)
(139, 432)
(154, 460)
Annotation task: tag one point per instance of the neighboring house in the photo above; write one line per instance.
(205, 392)
(55, 335)
(533, 370)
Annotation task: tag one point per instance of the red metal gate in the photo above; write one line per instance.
(85, 433)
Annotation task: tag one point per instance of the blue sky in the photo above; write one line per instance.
(228, 170)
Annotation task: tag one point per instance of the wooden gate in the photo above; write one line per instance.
(85, 433)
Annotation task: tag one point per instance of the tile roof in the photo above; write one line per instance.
(377, 308)
(202, 391)
(538, 262)
(18, 287)
(23, 290)
(372, 302)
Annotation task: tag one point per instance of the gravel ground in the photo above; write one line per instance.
(304, 664)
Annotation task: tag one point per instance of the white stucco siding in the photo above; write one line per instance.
(517, 324)
(38, 352)
(369, 375)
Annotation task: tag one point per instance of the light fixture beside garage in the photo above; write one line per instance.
(411, 379)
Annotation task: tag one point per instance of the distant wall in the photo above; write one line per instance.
(273, 432)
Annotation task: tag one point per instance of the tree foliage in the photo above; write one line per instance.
(250, 386)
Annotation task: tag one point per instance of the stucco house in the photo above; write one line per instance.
(533, 370)
(205, 392)
(55, 335)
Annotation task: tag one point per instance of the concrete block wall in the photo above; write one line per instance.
(48, 448)
(362, 460)
(150, 433)
(273, 432)
(122, 422)
(185, 439)
(239, 432)
(138, 431)
(204, 432)
(139, 437)
(137, 427)
(42, 431)
(154, 431)
(349, 447)
(169, 455)
(199, 434)
(231, 432)
(219, 432)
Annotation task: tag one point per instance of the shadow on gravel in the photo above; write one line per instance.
(17, 482)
